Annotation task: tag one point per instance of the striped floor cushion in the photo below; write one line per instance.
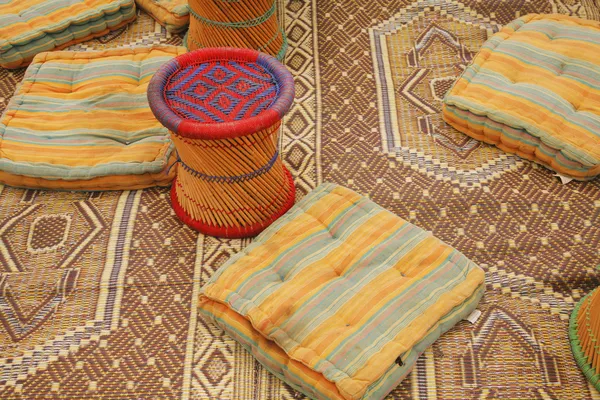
(339, 297)
(81, 121)
(29, 27)
(534, 90)
(172, 14)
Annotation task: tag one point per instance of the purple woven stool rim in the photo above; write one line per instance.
(220, 130)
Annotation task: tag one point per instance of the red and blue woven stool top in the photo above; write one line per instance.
(221, 93)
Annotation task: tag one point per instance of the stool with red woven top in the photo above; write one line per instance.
(223, 107)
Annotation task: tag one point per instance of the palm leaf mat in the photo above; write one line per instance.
(98, 291)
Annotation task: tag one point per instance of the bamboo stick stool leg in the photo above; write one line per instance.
(248, 24)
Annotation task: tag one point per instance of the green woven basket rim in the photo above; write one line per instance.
(592, 375)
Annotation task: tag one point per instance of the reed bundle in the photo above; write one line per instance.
(223, 107)
(249, 24)
(585, 336)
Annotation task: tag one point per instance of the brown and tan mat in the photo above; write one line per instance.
(99, 291)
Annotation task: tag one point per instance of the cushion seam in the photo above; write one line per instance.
(454, 99)
(43, 31)
(161, 155)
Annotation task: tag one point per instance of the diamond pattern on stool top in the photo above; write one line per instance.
(221, 91)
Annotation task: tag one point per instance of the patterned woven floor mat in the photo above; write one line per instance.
(98, 291)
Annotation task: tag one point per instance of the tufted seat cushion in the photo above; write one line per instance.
(534, 90)
(81, 121)
(172, 14)
(29, 27)
(339, 297)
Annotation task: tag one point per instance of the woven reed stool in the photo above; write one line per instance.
(223, 107)
(584, 332)
(242, 23)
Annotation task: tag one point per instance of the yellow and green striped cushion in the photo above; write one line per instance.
(81, 120)
(534, 90)
(29, 27)
(172, 14)
(339, 297)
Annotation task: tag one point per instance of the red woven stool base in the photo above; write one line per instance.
(234, 232)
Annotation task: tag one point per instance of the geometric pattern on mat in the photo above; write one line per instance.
(51, 253)
(215, 353)
(537, 240)
(8, 82)
(139, 348)
(418, 54)
(301, 129)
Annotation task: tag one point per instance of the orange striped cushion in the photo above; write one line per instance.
(534, 90)
(81, 120)
(29, 27)
(339, 297)
(172, 14)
